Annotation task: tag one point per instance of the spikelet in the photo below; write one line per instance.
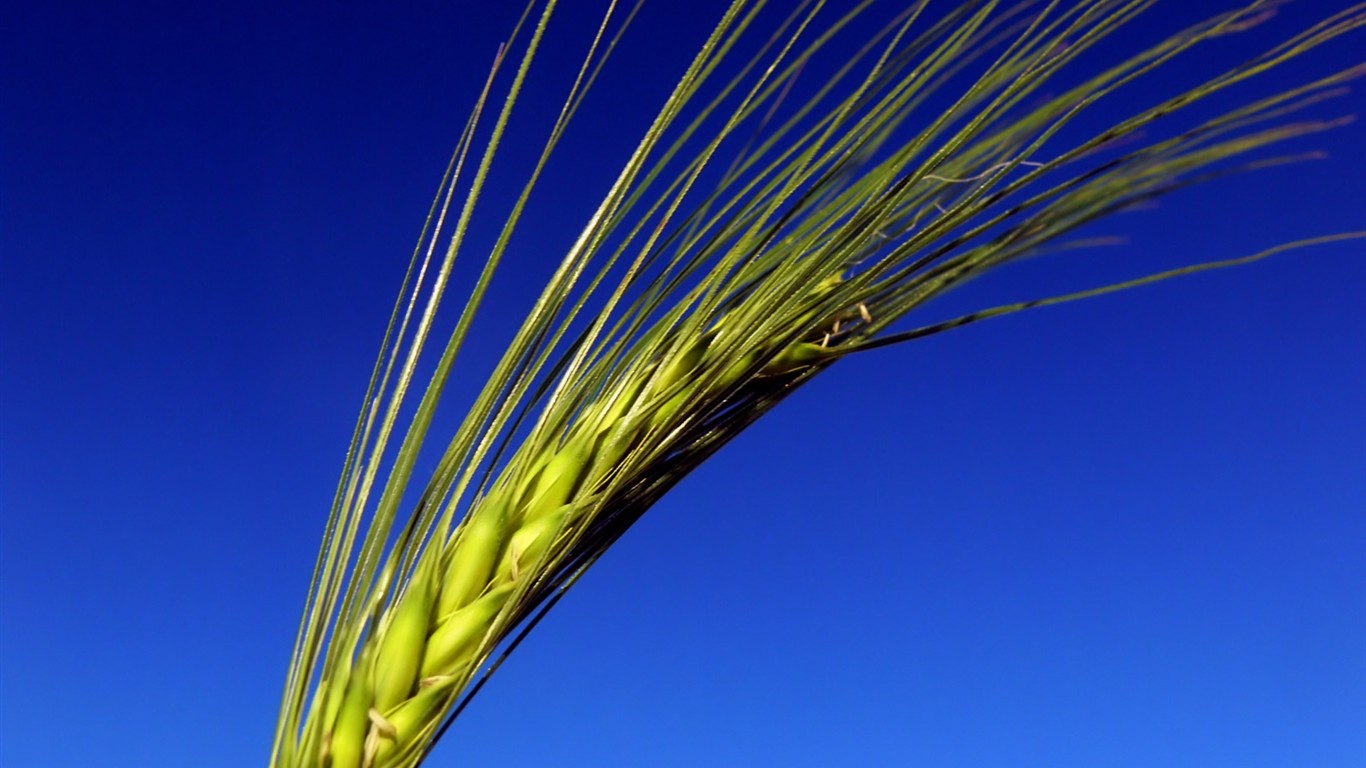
(344, 746)
(396, 659)
(530, 543)
(557, 480)
(402, 725)
(472, 557)
(450, 649)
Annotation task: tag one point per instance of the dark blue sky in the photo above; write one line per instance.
(1126, 532)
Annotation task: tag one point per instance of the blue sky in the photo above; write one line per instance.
(1125, 532)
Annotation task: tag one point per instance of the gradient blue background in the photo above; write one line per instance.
(1127, 532)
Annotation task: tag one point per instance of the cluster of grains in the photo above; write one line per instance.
(455, 607)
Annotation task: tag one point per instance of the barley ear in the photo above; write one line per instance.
(697, 299)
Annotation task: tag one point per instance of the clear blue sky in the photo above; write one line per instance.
(1127, 532)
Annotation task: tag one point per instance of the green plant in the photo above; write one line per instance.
(699, 296)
